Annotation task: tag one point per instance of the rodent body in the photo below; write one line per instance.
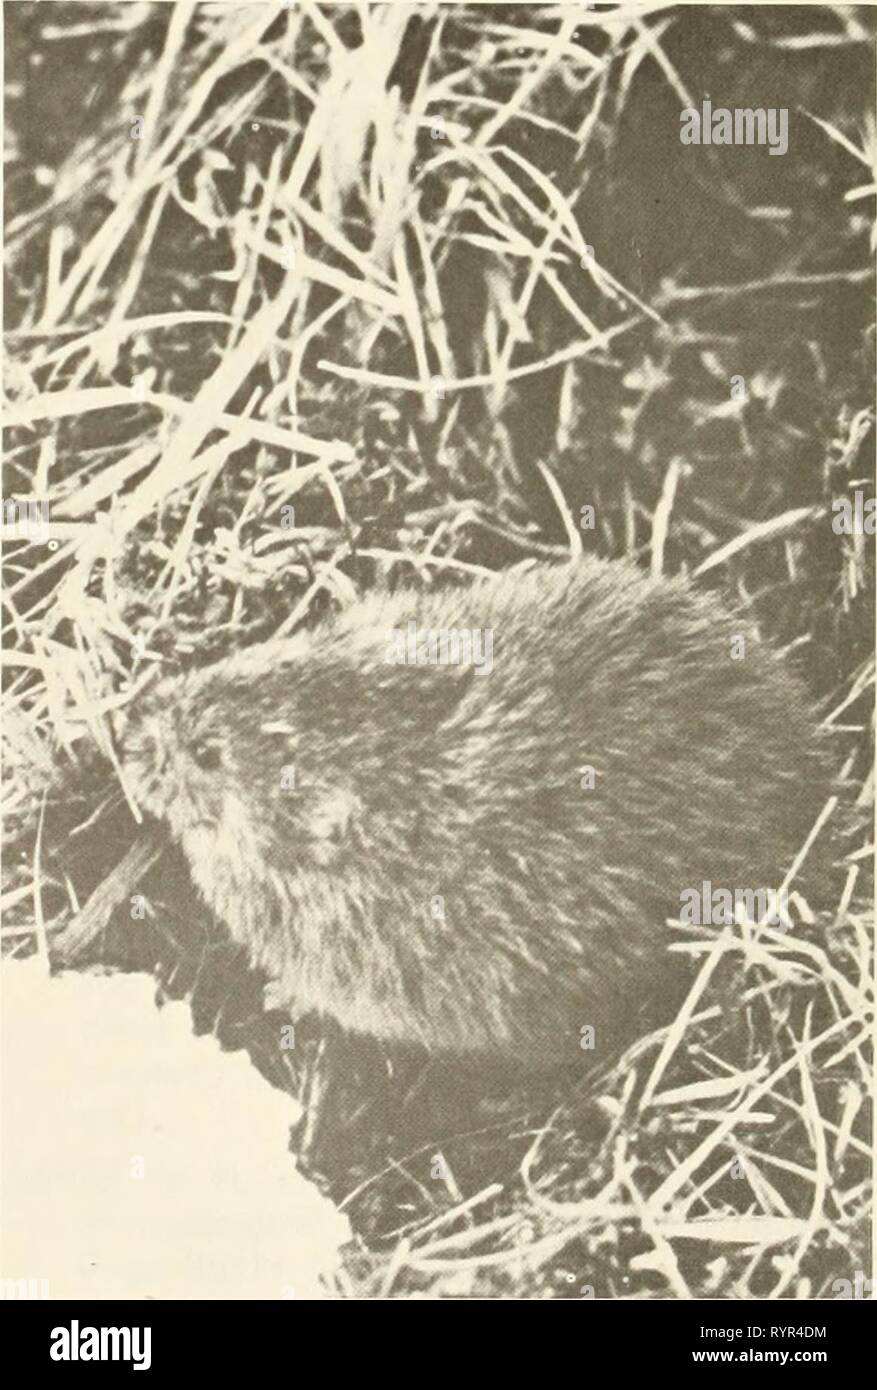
(433, 866)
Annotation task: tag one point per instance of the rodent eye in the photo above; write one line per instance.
(207, 754)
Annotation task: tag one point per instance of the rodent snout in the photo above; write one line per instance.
(330, 823)
(144, 750)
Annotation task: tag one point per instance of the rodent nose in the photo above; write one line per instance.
(145, 749)
(332, 819)
(329, 828)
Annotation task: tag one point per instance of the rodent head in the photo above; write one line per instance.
(220, 756)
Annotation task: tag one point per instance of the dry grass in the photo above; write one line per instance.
(435, 318)
(716, 1176)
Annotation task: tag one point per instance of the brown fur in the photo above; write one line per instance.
(416, 781)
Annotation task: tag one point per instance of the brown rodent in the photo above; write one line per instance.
(441, 872)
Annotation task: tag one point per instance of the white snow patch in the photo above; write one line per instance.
(100, 1085)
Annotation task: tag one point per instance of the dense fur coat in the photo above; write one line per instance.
(414, 850)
